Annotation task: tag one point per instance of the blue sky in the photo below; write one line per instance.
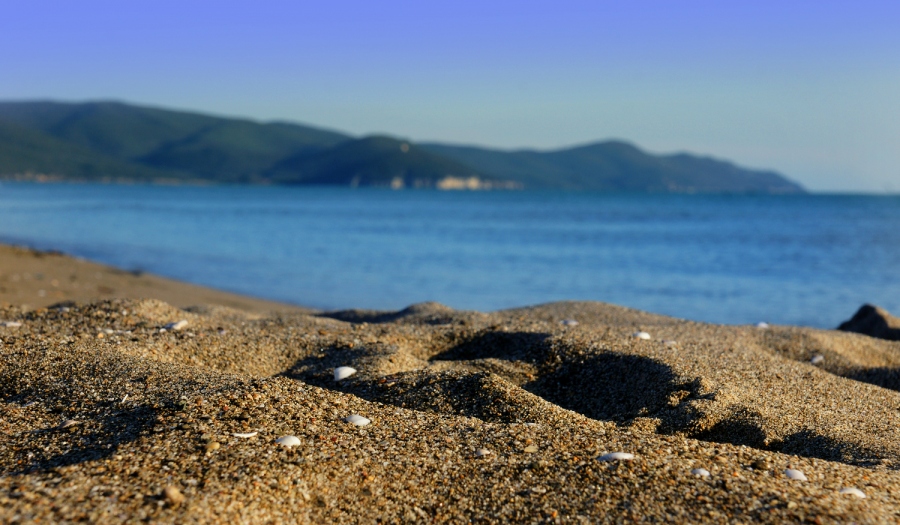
(811, 89)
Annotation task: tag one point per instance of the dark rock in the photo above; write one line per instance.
(873, 321)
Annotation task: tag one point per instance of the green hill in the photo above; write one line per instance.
(179, 144)
(371, 161)
(116, 141)
(618, 166)
(25, 151)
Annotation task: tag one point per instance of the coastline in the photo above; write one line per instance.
(111, 413)
(33, 278)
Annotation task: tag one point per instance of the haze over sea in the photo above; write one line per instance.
(802, 259)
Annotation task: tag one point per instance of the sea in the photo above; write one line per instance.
(808, 260)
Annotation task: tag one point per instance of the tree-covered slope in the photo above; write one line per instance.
(112, 140)
(27, 152)
(618, 166)
(371, 161)
(205, 147)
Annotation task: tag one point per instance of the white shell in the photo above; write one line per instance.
(795, 475)
(616, 456)
(69, 423)
(569, 322)
(702, 472)
(481, 452)
(816, 359)
(10, 324)
(762, 325)
(853, 491)
(357, 420)
(244, 435)
(178, 325)
(343, 372)
(288, 441)
(642, 335)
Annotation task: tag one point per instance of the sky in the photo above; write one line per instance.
(808, 88)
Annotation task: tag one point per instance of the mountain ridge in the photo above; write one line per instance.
(116, 141)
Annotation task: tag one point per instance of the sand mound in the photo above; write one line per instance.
(873, 321)
(490, 417)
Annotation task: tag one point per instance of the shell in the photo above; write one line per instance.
(178, 325)
(530, 449)
(288, 441)
(616, 456)
(795, 475)
(343, 372)
(569, 322)
(481, 452)
(244, 435)
(817, 359)
(762, 325)
(642, 335)
(701, 472)
(69, 423)
(10, 324)
(357, 420)
(852, 491)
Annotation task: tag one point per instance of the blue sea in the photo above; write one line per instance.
(800, 259)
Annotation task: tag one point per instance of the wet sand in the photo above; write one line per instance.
(107, 415)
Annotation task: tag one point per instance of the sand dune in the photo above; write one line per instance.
(496, 417)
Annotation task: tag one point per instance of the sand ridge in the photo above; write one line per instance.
(106, 415)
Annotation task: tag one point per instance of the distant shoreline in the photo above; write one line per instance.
(40, 278)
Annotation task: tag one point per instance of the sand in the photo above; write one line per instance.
(107, 416)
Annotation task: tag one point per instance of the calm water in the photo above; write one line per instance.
(806, 260)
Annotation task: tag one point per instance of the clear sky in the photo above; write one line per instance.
(809, 88)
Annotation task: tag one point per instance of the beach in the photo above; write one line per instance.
(128, 397)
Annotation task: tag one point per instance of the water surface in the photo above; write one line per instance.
(805, 260)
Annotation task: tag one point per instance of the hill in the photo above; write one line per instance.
(618, 166)
(116, 141)
(377, 161)
(167, 144)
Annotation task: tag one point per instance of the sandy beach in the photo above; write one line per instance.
(129, 398)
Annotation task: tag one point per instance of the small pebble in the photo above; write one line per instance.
(853, 491)
(616, 456)
(178, 325)
(173, 496)
(244, 435)
(762, 325)
(530, 449)
(343, 372)
(212, 445)
(642, 335)
(569, 322)
(700, 472)
(357, 420)
(817, 359)
(481, 452)
(288, 441)
(795, 475)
